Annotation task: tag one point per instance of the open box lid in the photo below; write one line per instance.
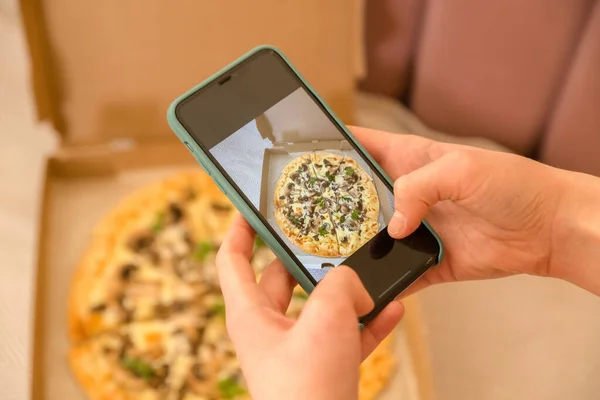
(297, 119)
(108, 70)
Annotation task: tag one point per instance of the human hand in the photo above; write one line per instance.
(494, 211)
(317, 355)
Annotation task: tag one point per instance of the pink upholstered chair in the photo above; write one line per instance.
(523, 73)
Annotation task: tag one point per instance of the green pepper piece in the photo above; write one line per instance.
(202, 250)
(138, 367)
(230, 389)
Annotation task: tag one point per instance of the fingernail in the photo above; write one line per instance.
(397, 224)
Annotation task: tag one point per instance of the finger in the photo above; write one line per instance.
(377, 143)
(278, 285)
(452, 177)
(398, 154)
(239, 238)
(380, 327)
(238, 282)
(337, 301)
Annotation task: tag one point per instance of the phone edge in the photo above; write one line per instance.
(223, 183)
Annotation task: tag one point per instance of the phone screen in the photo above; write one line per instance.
(289, 159)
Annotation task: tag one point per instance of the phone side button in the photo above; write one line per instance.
(189, 146)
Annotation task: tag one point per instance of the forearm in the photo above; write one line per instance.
(575, 254)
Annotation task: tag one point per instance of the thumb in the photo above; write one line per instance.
(339, 299)
(448, 178)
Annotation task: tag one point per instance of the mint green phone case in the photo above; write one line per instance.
(232, 194)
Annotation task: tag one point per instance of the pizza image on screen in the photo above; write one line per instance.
(326, 204)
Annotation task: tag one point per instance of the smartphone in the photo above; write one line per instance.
(299, 177)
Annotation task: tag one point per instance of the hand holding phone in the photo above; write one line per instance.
(299, 177)
(290, 353)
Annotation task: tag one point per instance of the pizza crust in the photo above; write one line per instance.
(95, 374)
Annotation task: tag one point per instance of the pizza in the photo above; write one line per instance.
(326, 204)
(146, 314)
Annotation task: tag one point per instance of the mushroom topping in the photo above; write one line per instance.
(187, 238)
(221, 207)
(198, 381)
(190, 193)
(160, 376)
(344, 209)
(141, 241)
(350, 179)
(127, 271)
(288, 189)
(351, 225)
(188, 270)
(354, 193)
(161, 310)
(175, 213)
(178, 306)
(98, 308)
(344, 239)
(153, 256)
(197, 372)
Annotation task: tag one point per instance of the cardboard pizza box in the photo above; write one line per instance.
(103, 74)
(293, 127)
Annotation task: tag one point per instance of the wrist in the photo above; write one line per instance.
(575, 244)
